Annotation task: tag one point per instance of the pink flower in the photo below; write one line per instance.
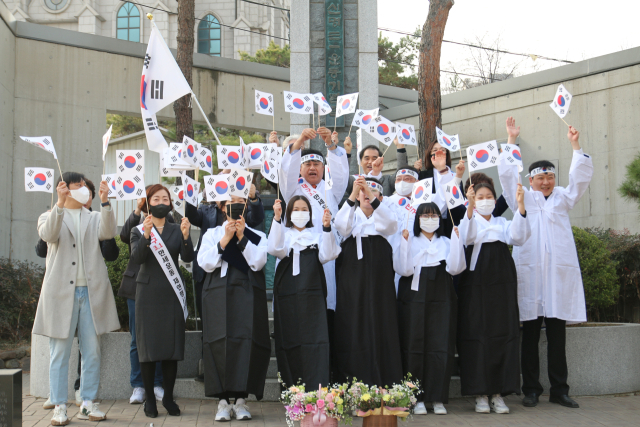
(309, 407)
(329, 397)
(320, 403)
(332, 406)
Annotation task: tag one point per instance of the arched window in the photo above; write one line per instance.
(209, 36)
(128, 25)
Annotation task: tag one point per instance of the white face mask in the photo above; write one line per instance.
(404, 188)
(300, 218)
(429, 224)
(81, 195)
(486, 206)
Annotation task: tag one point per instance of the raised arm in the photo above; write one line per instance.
(275, 242)
(468, 230)
(456, 262)
(402, 260)
(385, 219)
(107, 229)
(344, 218)
(580, 172)
(194, 215)
(256, 255)
(329, 248)
(339, 165)
(50, 223)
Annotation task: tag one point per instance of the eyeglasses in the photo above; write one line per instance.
(429, 216)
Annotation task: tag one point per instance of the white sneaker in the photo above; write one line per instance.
(420, 409)
(498, 406)
(224, 411)
(439, 409)
(482, 405)
(159, 392)
(48, 404)
(137, 397)
(241, 410)
(60, 416)
(78, 398)
(91, 413)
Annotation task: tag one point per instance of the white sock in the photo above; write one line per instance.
(240, 402)
(223, 402)
(86, 403)
(64, 406)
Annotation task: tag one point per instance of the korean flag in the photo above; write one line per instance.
(422, 192)
(111, 183)
(561, 101)
(264, 103)
(205, 161)
(44, 142)
(299, 103)
(258, 152)
(362, 118)
(511, 153)
(105, 142)
(323, 106)
(177, 198)
(229, 157)
(190, 150)
(38, 179)
(406, 134)
(382, 129)
(191, 189)
(328, 179)
(239, 182)
(168, 171)
(217, 188)
(269, 170)
(450, 142)
(346, 104)
(130, 161)
(129, 186)
(452, 194)
(482, 156)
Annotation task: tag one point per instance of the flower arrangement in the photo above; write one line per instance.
(398, 400)
(320, 404)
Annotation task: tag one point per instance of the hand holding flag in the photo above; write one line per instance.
(561, 102)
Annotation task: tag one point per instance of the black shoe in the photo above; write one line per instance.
(200, 378)
(530, 400)
(172, 407)
(564, 400)
(151, 412)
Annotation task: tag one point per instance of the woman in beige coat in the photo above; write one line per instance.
(76, 292)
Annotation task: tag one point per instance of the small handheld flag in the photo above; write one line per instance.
(217, 188)
(512, 155)
(328, 179)
(482, 156)
(406, 134)
(382, 129)
(111, 183)
(129, 186)
(264, 103)
(362, 118)
(190, 150)
(205, 160)
(177, 199)
(561, 102)
(239, 182)
(43, 142)
(453, 195)
(229, 157)
(299, 103)
(105, 142)
(346, 104)
(450, 142)
(257, 154)
(323, 106)
(38, 179)
(191, 189)
(422, 192)
(130, 161)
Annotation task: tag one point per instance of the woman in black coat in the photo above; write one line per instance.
(160, 304)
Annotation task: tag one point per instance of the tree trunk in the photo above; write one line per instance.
(186, 25)
(429, 99)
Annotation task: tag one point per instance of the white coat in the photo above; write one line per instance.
(549, 279)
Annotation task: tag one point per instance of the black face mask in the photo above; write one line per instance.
(234, 211)
(160, 211)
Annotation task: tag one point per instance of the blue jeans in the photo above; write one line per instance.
(136, 376)
(60, 350)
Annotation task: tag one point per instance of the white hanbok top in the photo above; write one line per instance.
(282, 240)
(420, 252)
(549, 276)
(210, 258)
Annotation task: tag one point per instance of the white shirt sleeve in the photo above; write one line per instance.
(290, 172)
(329, 248)
(208, 256)
(385, 220)
(344, 219)
(402, 260)
(339, 165)
(509, 180)
(518, 230)
(256, 256)
(456, 262)
(580, 174)
(468, 230)
(275, 242)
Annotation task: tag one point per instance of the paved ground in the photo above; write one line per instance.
(594, 411)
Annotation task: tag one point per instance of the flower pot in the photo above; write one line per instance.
(380, 421)
(307, 421)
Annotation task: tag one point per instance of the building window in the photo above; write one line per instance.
(55, 4)
(128, 25)
(209, 36)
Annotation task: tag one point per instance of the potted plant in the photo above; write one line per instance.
(381, 406)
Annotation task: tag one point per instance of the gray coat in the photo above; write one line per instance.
(388, 181)
(53, 317)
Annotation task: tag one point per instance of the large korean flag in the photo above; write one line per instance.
(155, 139)
(129, 186)
(362, 118)
(264, 103)
(406, 134)
(561, 101)
(38, 179)
(450, 142)
(162, 81)
(299, 103)
(422, 192)
(130, 161)
(482, 156)
(44, 142)
(382, 129)
(346, 104)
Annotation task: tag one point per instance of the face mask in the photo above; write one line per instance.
(160, 211)
(234, 211)
(404, 188)
(300, 218)
(429, 224)
(81, 195)
(486, 206)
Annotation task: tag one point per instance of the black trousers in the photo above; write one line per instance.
(199, 287)
(556, 356)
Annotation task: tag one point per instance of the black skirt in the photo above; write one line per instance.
(236, 342)
(489, 324)
(300, 321)
(367, 344)
(427, 320)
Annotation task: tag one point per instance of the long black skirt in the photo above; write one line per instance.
(300, 321)
(489, 324)
(427, 320)
(367, 344)
(236, 343)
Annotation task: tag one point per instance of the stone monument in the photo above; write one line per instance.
(334, 50)
(11, 397)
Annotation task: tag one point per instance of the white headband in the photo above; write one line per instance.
(375, 186)
(312, 157)
(543, 169)
(407, 172)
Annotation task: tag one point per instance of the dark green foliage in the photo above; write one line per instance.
(20, 284)
(272, 55)
(395, 61)
(630, 188)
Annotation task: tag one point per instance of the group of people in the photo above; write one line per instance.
(366, 287)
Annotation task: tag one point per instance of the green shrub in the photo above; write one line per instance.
(20, 284)
(599, 274)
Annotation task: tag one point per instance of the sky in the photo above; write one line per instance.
(562, 29)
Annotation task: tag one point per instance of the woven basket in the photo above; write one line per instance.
(380, 421)
(307, 421)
